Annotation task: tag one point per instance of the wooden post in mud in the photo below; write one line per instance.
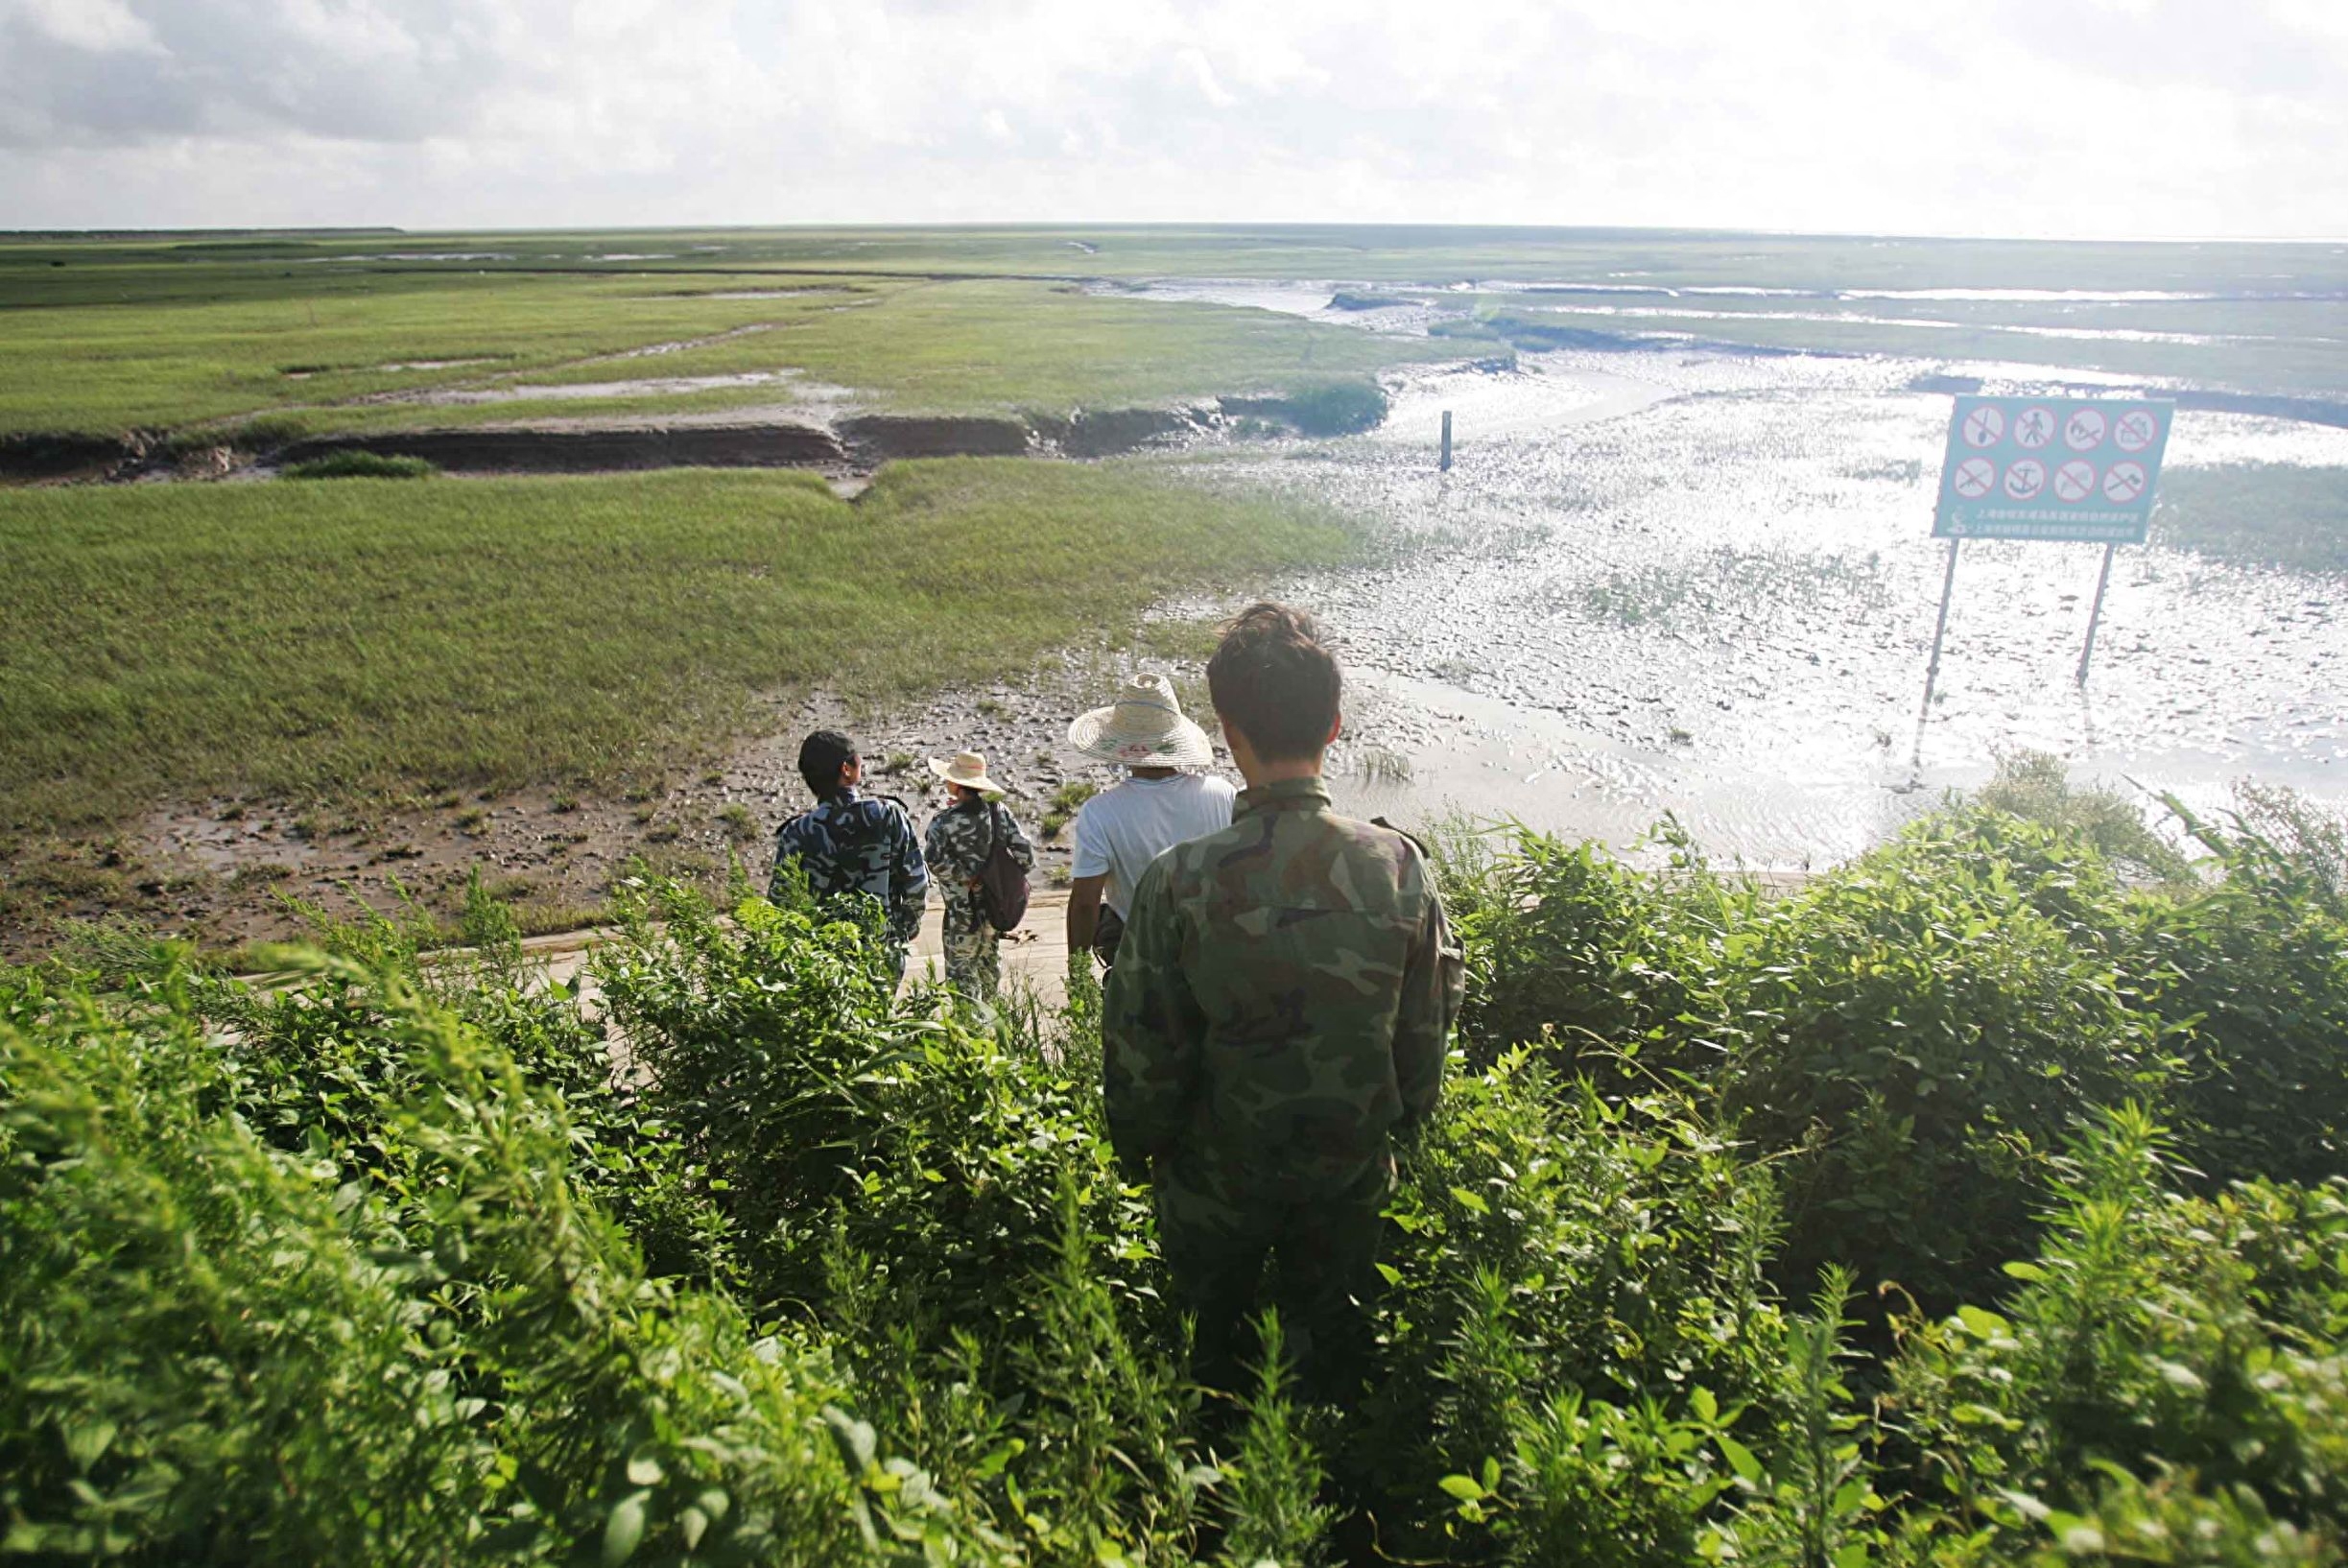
(2096, 614)
(1446, 465)
(1932, 671)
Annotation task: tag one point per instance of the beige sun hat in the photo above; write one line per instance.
(1143, 729)
(968, 768)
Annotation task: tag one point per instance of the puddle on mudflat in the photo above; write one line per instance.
(1316, 300)
(1703, 583)
(639, 387)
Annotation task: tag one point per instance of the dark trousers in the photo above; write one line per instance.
(1107, 932)
(1218, 1231)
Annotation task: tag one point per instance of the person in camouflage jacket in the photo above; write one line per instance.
(1277, 1017)
(852, 843)
(957, 846)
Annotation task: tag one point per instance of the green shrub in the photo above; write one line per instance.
(2250, 976)
(1919, 1031)
(1336, 408)
(408, 1263)
(2151, 1333)
(1595, 960)
(211, 1349)
(1548, 1242)
(359, 464)
(2034, 785)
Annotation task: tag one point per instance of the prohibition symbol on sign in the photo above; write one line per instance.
(1985, 426)
(2035, 428)
(2135, 430)
(2074, 479)
(2085, 431)
(2025, 479)
(1974, 478)
(2125, 483)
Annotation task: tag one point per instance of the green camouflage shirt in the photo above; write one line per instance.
(1283, 995)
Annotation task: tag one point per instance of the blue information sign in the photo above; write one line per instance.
(2051, 468)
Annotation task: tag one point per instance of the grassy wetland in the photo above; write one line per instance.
(417, 663)
(1981, 1200)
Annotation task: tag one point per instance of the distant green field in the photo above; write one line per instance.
(342, 361)
(359, 637)
(165, 332)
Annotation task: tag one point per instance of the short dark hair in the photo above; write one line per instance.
(821, 756)
(1274, 681)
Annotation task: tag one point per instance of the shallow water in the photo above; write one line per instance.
(1703, 583)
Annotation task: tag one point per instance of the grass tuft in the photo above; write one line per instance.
(358, 465)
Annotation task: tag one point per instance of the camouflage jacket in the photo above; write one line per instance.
(959, 841)
(1282, 999)
(855, 843)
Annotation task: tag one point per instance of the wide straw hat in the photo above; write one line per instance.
(1143, 729)
(968, 768)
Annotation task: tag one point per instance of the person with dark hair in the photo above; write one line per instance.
(852, 843)
(1277, 1017)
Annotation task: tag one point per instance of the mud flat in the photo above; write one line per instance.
(554, 855)
(1703, 585)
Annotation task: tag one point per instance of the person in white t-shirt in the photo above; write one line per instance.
(1120, 831)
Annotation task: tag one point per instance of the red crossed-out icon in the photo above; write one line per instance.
(2034, 428)
(2084, 430)
(2075, 481)
(1974, 478)
(2025, 479)
(2135, 430)
(1983, 426)
(2125, 483)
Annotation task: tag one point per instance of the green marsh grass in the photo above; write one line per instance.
(325, 356)
(358, 639)
(358, 465)
(2257, 515)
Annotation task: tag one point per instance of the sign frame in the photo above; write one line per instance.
(2010, 471)
(2026, 441)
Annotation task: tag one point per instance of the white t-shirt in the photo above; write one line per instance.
(1120, 831)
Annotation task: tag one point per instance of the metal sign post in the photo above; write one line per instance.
(2096, 613)
(2046, 469)
(1940, 628)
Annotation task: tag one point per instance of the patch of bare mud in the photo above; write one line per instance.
(594, 448)
(306, 372)
(570, 392)
(679, 345)
(220, 871)
(746, 294)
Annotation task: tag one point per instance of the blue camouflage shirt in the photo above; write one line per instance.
(856, 843)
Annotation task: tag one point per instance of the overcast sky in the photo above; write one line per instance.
(2035, 117)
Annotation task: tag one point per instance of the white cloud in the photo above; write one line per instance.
(2019, 116)
(99, 26)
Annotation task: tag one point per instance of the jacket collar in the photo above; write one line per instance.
(1287, 794)
(847, 795)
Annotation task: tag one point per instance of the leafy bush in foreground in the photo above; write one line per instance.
(412, 1262)
(1926, 1025)
(1912, 1036)
(2193, 1338)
